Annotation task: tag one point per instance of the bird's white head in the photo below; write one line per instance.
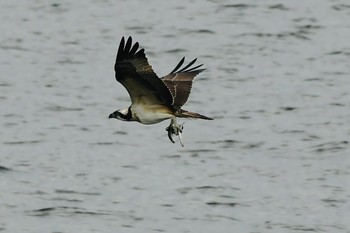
(121, 114)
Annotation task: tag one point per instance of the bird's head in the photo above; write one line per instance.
(121, 114)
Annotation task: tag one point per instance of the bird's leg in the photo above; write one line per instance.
(175, 129)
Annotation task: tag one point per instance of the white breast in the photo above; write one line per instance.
(151, 114)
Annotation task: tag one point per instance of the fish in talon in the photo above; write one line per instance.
(175, 129)
(180, 138)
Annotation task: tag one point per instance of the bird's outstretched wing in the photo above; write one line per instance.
(134, 72)
(179, 81)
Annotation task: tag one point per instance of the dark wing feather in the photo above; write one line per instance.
(179, 82)
(134, 72)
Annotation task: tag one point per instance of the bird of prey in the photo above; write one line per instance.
(154, 99)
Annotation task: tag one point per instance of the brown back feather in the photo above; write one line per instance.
(179, 82)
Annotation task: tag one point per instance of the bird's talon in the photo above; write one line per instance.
(170, 134)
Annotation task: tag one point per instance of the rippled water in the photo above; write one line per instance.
(275, 159)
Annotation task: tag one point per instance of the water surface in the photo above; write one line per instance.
(275, 159)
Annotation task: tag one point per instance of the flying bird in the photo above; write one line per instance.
(154, 99)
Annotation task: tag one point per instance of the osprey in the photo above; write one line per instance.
(154, 99)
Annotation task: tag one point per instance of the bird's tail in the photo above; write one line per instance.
(194, 115)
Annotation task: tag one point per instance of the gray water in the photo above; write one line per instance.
(275, 159)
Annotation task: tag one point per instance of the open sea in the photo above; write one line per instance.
(275, 159)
